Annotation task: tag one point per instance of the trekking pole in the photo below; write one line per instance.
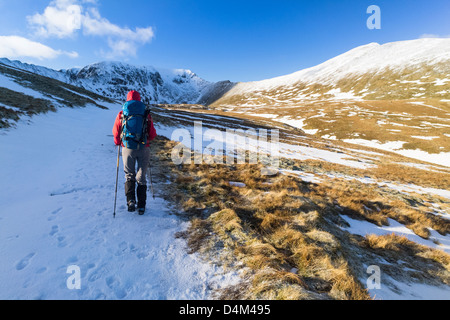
(117, 180)
(151, 181)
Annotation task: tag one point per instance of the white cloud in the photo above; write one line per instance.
(94, 24)
(121, 48)
(14, 47)
(60, 19)
(64, 18)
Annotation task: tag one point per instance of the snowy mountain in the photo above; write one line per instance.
(397, 70)
(115, 79)
(394, 97)
(26, 93)
(27, 89)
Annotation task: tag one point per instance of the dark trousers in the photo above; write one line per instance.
(136, 163)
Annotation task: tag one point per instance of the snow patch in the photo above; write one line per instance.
(298, 123)
(363, 228)
(442, 158)
(425, 137)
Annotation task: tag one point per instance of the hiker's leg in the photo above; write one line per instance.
(143, 160)
(142, 197)
(141, 176)
(129, 164)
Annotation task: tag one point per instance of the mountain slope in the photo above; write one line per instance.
(394, 97)
(26, 93)
(367, 72)
(115, 79)
(29, 89)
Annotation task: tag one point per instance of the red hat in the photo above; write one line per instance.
(133, 96)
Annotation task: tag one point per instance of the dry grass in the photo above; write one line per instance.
(420, 126)
(417, 261)
(286, 234)
(271, 232)
(383, 171)
(289, 235)
(367, 202)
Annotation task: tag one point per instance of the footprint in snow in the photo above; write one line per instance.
(22, 264)
(97, 273)
(61, 241)
(123, 246)
(56, 211)
(143, 255)
(72, 259)
(53, 214)
(114, 284)
(54, 231)
(41, 270)
(91, 266)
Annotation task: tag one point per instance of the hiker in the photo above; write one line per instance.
(134, 130)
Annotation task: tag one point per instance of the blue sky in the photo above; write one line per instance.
(234, 40)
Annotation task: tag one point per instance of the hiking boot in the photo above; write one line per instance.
(141, 211)
(131, 206)
(142, 198)
(130, 193)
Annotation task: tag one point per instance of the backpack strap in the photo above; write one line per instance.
(122, 125)
(145, 126)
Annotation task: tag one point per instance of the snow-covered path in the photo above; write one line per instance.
(56, 210)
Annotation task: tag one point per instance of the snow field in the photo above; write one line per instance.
(57, 196)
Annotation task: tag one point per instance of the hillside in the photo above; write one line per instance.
(24, 94)
(398, 70)
(394, 97)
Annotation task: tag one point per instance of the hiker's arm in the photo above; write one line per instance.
(117, 129)
(151, 129)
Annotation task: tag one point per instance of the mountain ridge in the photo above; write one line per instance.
(113, 79)
(423, 60)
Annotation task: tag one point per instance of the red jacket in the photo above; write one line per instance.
(117, 130)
